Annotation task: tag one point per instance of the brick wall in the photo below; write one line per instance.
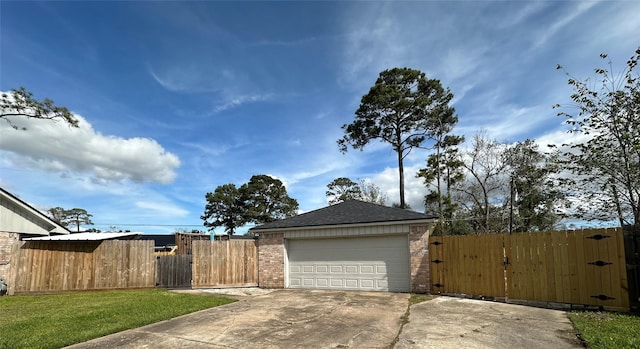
(6, 243)
(271, 260)
(419, 252)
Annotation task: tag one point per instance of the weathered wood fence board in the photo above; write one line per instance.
(584, 267)
(225, 263)
(184, 241)
(173, 271)
(54, 266)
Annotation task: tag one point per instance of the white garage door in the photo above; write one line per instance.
(376, 263)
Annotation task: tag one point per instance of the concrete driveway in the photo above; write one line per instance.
(335, 319)
(447, 322)
(280, 319)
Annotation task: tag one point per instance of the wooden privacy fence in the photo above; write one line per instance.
(225, 263)
(584, 267)
(54, 266)
(173, 271)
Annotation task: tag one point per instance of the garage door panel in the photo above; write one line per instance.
(367, 284)
(364, 263)
(295, 268)
(351, 269)
(337, 283)
(320, 282)
(367, 269)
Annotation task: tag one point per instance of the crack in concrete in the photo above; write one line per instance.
(403, 320)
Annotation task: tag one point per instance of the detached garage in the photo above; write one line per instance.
(352, 245)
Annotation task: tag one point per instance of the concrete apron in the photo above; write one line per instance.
(446, 322)
(280, 319)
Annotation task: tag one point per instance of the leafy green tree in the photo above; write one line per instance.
(263, 199)
(189, 231)
(224, 208)
(342, 189)
(20, 103)
(266, 200)
(77, 217)
(607, 159)
(402, 108)
(534, 198)
(444, 169)
(397, 205)
(57, 214)
(73, 217)
(370, 192)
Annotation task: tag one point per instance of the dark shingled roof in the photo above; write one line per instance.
(160, 239)
(347, 212)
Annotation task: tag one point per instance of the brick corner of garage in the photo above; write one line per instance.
(271, 260)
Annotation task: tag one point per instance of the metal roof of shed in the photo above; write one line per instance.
(88, 237)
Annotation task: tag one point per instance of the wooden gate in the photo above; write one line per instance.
(571, 267)
(226, 263)
(468, 265)
(213, 264)
(173, 271)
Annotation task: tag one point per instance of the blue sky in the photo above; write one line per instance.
(177, 98)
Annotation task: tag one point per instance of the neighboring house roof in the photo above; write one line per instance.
(16, 216)
(88, 237)
(233, 237)
(160, 240)
(347, 212)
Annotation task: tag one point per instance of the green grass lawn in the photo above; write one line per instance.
(54, 321)
(607, 330)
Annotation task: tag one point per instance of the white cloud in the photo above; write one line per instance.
(55, 147)
(559, 138)
(189, 78)
(236, 101)
(164, 209)
(229, 88)
(414, 190)
(505, 122)
(569, 16)
(522, 13)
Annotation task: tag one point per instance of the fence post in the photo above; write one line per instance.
(632, 252)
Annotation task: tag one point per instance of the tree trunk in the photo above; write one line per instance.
(401, 173)
(438, 181)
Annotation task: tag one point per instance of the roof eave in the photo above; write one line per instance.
(57, 228)
(88, 237)
(348, 225)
